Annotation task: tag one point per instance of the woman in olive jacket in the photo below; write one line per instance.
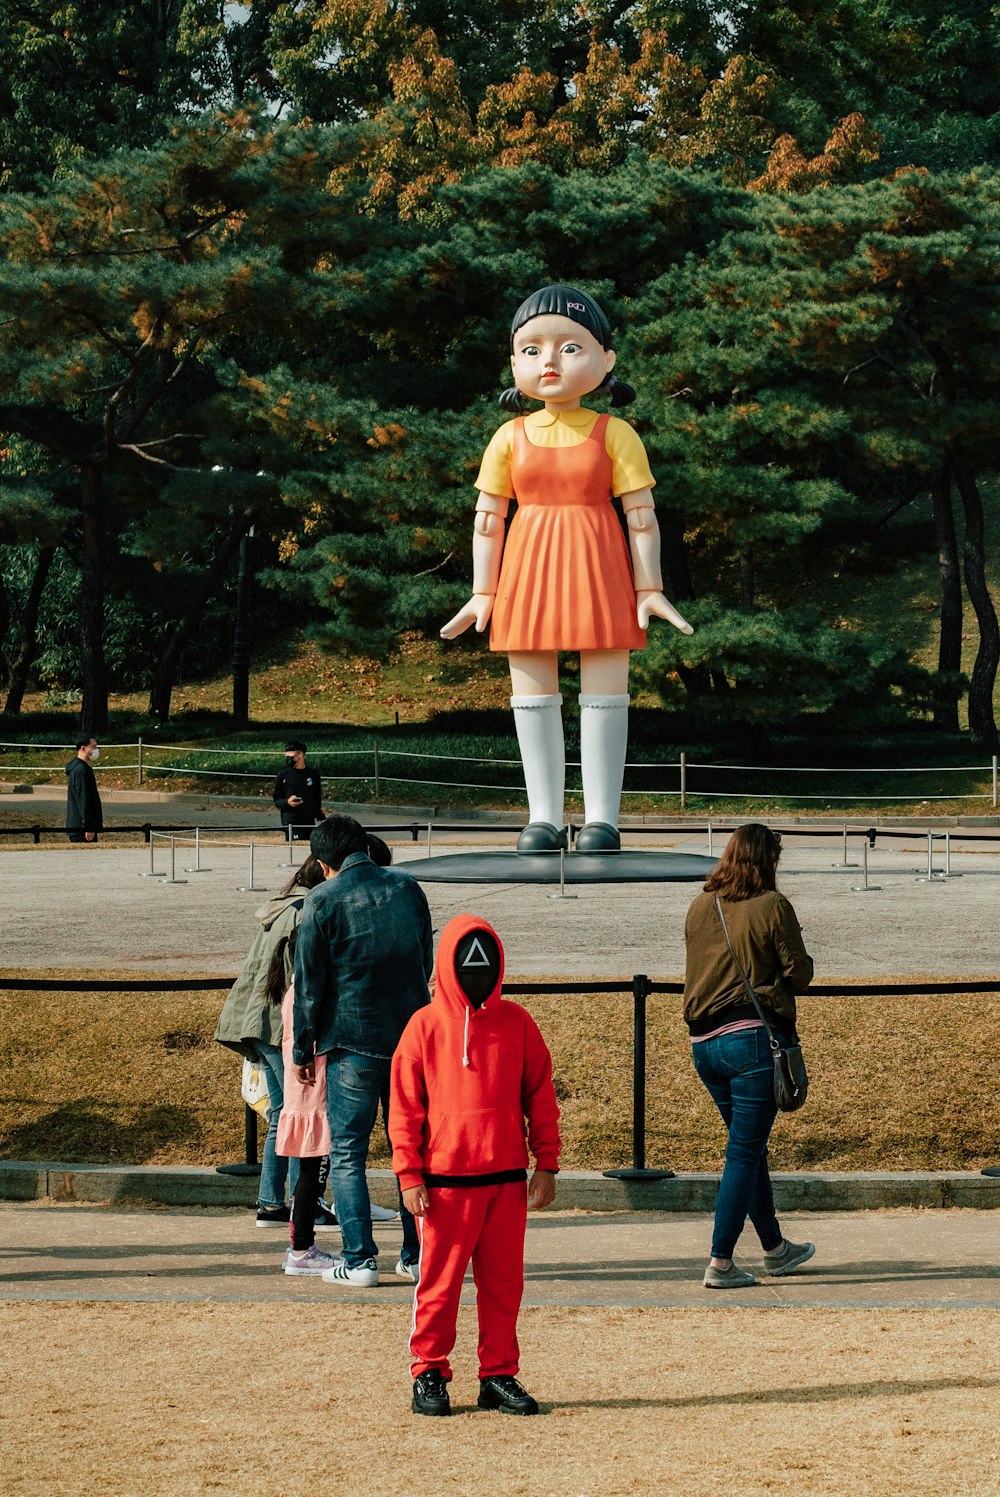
(730, 1045)
(251, 1024)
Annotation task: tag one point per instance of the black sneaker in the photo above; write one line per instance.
(506, 1394)
(326, 1219)
(430, 1393)
(273, 1216)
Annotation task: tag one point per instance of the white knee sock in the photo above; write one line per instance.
(540, 738)
(603, 741)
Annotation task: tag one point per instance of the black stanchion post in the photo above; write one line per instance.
(249, 1165)
(36, 832)
(641, 988)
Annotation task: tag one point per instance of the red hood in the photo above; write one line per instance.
(447, 989)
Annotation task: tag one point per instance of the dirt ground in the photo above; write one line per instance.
(165, 1400)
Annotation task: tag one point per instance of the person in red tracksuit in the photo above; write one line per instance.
(467, 1072)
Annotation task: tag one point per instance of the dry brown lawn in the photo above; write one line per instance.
(165, 1400)
(135, 1078)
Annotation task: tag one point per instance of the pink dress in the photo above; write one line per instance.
(303, 1128)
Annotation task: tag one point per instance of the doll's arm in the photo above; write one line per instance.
(644, 543)
(487, 553)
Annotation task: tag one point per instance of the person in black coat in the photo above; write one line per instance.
(84, 815)
(298, 793)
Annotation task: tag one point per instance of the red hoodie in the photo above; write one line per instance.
(465, 1079)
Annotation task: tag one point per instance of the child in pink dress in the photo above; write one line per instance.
(303, 1134)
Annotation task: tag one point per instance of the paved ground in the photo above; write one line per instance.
(891, 1259)
(106, 915)
(205, 924)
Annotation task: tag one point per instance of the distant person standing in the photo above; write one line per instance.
(84, 815)
(298, 793)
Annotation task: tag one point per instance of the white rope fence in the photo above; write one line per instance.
(371, 761)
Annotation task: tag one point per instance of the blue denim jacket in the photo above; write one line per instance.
(362, 961)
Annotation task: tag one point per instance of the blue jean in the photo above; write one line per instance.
(356, 1084)
(274, 1168)
(739, 1074)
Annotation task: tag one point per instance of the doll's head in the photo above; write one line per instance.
(549, 311)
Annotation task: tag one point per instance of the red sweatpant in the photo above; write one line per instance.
(485, 1223)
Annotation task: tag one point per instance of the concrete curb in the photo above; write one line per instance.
(199, 1186)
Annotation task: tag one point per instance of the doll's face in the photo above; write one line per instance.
(558, 361)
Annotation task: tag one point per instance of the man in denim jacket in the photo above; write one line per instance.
(362, 960)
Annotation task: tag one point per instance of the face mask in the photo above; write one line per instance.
(94, 754)
(289, 760)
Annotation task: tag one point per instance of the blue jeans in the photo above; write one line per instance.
(274, 1168)
(356, 1084)
(739, 1074)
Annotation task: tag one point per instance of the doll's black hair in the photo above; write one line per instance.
(565, 301)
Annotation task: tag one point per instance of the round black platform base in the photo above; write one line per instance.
(651, 867)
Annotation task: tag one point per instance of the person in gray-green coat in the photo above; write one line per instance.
(251, 1025)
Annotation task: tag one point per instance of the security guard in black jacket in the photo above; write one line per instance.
(298, 793)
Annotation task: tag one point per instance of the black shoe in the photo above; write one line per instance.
(430, 1393)
(598, 836)
(273, 1216)
(541, 836)
(506, 1394)
(325, 1219)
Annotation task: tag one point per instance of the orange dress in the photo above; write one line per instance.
(566, 577)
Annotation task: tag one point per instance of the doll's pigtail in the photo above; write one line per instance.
(619, 391)
(512, 400)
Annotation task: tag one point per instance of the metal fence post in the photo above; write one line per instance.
(140, 761)
(683, 780)
(249, 1165)
(641, 988)
(173, 879)
(930, 877)
(375, 745)
(197, 854)
(994, 782)
(562, 878)
(250, 887)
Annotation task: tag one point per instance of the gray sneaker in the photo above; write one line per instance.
(383, 1214)
(311, 1262)
(727, 1278)
(791, 1257)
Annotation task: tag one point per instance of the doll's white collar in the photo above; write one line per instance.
(580, 417)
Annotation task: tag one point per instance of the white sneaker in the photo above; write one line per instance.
(312, 1261)
(383, 1214)
(365, 1276)
(408, 1271)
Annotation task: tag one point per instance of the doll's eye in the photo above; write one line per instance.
(530, 349)
(571, 348)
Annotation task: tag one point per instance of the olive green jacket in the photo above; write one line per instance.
(247, 1013)
(767, 939)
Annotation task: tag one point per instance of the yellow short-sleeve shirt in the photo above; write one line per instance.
(630, 465)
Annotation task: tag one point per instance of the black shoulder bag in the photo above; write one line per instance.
(791, 1083)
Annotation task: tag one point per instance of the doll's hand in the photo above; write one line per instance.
(651, 605)
(477, 611)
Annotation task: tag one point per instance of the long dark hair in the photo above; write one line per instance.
(749, 864)
(275, 985)
(579, 307)
(306, 876)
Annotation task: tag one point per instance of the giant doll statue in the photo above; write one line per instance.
(562, 579)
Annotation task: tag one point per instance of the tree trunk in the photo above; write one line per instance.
(950, 642)
(4, 625)
(982, 723)
(94, 712)
(28, 646)
(162, 685)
